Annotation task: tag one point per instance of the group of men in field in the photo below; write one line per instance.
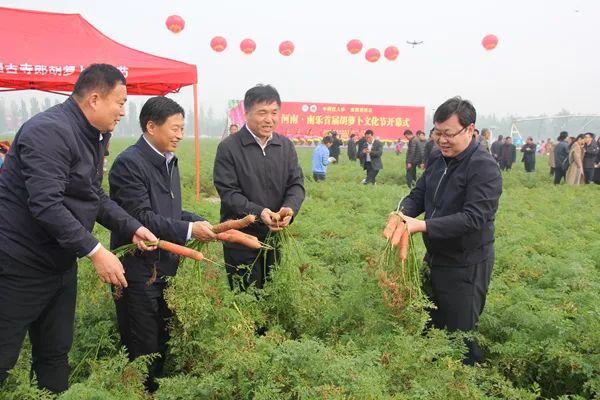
(51, 197)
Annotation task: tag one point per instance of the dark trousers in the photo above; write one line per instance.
(371, 173)
(247, 266)
(505, 165)
(318, 176)
(459, 294)
(588, 173)
(411, 175)
(43, 304)
(142, 315)
(529, 165)
(552, 171)
(559, 174)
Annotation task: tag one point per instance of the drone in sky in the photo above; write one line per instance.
(414, 43)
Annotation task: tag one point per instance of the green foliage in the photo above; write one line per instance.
(329, 332)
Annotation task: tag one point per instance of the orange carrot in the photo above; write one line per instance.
(234, 224)
(404, 244)
(244, 240)
(397, 235)
(180, 250)
(236, 232)
(391, 226)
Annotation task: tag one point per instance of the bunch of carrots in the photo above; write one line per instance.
(399, 273)
(227, 231)
(230, 232)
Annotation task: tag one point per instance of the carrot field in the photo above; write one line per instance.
(331, 334)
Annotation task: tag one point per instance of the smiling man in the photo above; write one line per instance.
(144, 180)
(459, 193)
(50, 198)
(257, 172)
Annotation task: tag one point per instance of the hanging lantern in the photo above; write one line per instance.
(175, 23)
(248, 46)
(218, 43)
(286, 48)
(372, 55)
(490, 42)
(354, 46)
(391, 53)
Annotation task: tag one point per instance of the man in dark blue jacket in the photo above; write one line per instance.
(257, 172)
(459, 194)
(50, 198)
(561, 157)
(144, 180)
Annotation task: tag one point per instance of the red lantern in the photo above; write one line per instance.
(391, 53)
(218, 43)
(286, 48)
(175, 23)
(490, 42)
(354, 46)
(248, 46)
(372, 55)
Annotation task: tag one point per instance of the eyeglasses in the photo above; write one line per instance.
(438, 134)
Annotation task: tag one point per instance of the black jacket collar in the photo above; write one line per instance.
(89, 131)
(247, 138)
(471, 148)
(151, 155)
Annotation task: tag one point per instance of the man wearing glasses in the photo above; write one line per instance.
(459, 193)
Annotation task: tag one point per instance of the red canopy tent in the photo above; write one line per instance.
(47, 51)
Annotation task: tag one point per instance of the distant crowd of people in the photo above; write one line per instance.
(574, 160)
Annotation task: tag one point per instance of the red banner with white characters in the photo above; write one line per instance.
(306, 120)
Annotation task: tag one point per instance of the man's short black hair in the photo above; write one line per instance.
(261, 94)
(590, 134)
(463, 109)
(158, 109)
(368, 132)
(408, 132)
(97, 77)
(327, 139)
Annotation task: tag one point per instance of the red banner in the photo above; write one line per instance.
(317, 119)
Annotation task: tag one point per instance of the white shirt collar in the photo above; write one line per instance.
(262, 146)
(168, 156)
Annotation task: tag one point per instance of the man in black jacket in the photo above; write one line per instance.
(496, 148)
(144, 180)
(413, 158)
(590, 154)
(459, 194)
(352, 147)
(334, 150)
(256, 172)
(50, 198)
(371, 157)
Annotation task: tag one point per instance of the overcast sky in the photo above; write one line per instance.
(547, 58)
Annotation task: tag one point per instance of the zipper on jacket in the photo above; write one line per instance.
(436, 189)
(171, 179)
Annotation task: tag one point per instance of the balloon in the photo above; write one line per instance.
(372, 55)
(218, 43)
(248, 46)
(286, 48)
(354, 46)
(490, 42)
(391, 53)
(175, 23)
